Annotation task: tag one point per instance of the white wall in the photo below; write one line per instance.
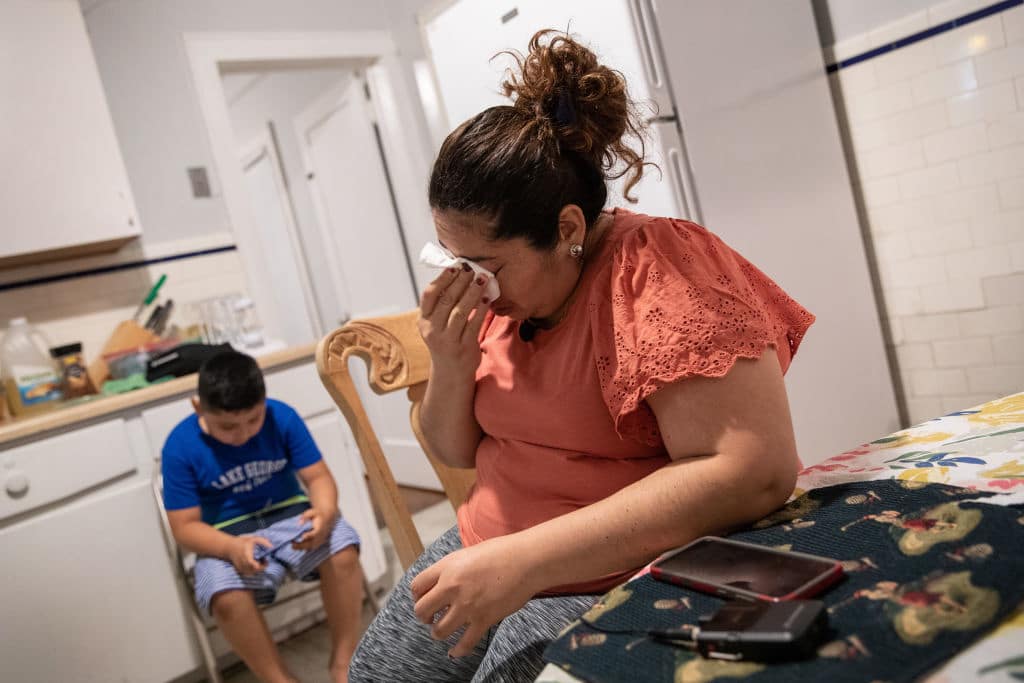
(145, 71)
(841, 20)
(141, 57)
(850, 27)
(87, 309)
(937, 135)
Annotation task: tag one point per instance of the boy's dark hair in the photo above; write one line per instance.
(229, 382)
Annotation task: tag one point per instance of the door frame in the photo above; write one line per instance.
(404, 149)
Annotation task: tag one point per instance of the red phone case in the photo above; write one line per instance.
(813, 587)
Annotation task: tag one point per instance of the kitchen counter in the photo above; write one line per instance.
(19, 428)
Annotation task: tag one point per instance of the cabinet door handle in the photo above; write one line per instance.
(684, 188)
(16, 484)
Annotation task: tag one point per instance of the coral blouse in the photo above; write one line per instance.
(564, 418)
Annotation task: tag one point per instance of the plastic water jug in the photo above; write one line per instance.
(30, 377)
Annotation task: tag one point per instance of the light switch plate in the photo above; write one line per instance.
(200, 181)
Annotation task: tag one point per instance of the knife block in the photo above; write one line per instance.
(127, 335)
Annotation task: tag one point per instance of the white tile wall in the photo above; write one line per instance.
(999, 65)
(937, 131)
(1003, 163)
(1007, 290)
(939, 239)
(941, 12)
(930, 180)
(87, 309)
(982, 104)
(943, 82)
(1006, 129)
(922, 409)
(1013, 24)
(1006, 347)
(971, 40)
(956, 143)
(959, 353)
(1011, 193)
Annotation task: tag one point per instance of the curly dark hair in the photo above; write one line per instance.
(563, 136)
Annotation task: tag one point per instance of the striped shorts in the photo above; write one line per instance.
(214, 575)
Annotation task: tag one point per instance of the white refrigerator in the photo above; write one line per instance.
(743, 83)
(462, 37)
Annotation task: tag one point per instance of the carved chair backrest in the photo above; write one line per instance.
(397, 359)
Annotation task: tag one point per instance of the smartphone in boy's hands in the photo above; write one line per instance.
(262, 553)
(735, 569)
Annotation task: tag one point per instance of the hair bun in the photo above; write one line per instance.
(583, 105)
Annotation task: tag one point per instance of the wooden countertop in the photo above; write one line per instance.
(19, 428)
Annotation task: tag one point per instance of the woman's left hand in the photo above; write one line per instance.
(478, 586)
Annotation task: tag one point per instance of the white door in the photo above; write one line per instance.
(352, 192)
(275, 227)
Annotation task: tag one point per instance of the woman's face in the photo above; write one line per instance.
(534, 283)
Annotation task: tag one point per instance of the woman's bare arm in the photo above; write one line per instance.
(733, 461)
(451, 313)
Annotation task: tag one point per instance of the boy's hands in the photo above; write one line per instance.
(241, 554)
(322, 522)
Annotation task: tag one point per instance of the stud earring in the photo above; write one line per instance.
(576, 251)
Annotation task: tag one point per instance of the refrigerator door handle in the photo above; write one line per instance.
(681, 181)
(644, 19)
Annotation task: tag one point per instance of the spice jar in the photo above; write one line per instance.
(71, 365)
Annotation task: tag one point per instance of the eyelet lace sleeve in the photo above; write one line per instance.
(683, 303)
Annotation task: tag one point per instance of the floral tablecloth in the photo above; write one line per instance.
(982, 449)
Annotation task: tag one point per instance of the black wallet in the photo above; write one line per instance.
(182, 360)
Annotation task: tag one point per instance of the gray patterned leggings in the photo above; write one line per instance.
(398, 648)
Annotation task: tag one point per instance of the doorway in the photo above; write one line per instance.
(353, 196)
(347, 171)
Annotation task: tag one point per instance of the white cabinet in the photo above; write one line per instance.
(88, 594)
(332, 437)
(48, 470)
(63, 184)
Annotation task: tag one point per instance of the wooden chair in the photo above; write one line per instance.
(397, 359)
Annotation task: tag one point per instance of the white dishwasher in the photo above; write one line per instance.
(87, 591)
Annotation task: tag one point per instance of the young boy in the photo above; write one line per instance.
(230, 488)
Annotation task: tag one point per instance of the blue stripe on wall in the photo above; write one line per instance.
(923, 35)
(114, 268)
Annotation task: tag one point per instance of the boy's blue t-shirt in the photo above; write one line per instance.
(230, 481)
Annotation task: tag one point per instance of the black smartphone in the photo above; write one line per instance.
(262, 552)
(747, 571)
(763, 631)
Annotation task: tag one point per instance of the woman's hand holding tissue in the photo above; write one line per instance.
(452, 309)
(437, 257)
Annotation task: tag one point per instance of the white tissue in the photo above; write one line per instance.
(436, 257)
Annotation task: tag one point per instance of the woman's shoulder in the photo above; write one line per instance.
(639, 243)
(641, 233)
